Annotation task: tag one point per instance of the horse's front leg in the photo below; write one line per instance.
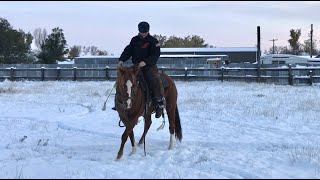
(147, 124)
(134, 148)
(124, 138)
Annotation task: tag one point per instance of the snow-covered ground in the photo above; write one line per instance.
(230, 130)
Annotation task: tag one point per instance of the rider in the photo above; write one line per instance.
(144, 51)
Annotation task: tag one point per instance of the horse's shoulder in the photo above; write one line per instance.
(165, 79)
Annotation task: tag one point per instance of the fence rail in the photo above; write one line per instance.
(282, 75)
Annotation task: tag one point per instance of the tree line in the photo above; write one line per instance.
(294, 46)
(15, 45)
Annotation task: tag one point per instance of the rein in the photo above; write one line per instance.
(105, 102)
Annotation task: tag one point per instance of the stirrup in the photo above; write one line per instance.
(159, 111)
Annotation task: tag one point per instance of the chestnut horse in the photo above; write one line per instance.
(132, 102)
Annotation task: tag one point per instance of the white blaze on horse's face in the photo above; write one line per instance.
(129, 85)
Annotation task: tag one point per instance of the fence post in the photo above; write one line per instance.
(58, 73)
(222, 74)
(42, 73)
(185, 73)
(160, 69)
(258, 54)
(107, 73)
(12, 72)
(259, 73)
(310, 74)
(290, 75)
(74, 73)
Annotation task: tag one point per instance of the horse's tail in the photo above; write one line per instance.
(178, 129)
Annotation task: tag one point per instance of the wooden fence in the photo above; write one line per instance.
(279, 75)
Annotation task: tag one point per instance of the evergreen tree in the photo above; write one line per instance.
(54, 48)
(294, 41)
(15, 46)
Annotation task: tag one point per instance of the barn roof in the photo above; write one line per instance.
(214, 49)
(188, 50)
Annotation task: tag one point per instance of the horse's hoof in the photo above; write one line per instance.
(134, 150)
(119, 156)
(140, 143)
(170, 147)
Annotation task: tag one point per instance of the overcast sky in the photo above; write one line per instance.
(110, 25)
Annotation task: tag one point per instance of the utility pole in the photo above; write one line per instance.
(311, 33)
(259, 53)
(273, 44)
(286, 50)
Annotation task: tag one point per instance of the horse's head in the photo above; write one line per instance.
(127, 84)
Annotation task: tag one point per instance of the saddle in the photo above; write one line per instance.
(145, 88)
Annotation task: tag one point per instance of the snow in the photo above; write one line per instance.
(57, 129)
(308, 56)
(67, 61)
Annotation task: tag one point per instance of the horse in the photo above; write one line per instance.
(132, 101)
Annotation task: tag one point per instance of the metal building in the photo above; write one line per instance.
(235, 54)
(186, 56)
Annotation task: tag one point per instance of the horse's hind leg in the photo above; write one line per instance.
(171, 117)
(124, 138)
(134, 149)
(147, 124)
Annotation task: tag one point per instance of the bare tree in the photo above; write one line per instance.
(102, 53)
(277, 50)
(74, 52)
(39, 36)
(161, 39)
(94, 50)
(307, 45)
(283, 50)
(86, 50)
(273, 50)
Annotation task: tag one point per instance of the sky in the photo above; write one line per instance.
(110, 25)
(231, 130)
